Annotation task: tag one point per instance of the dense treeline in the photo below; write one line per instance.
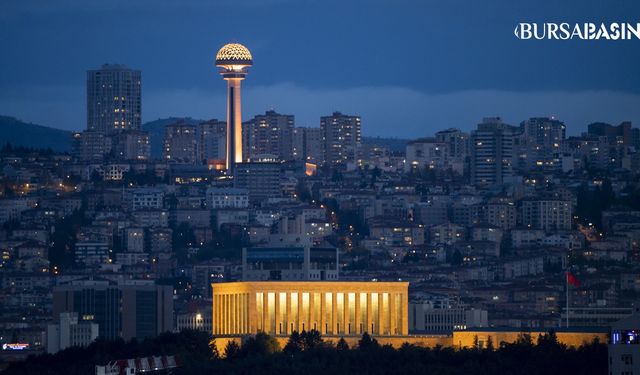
(307, 353)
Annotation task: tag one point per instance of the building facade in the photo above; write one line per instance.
(494, 148)
(342, 138)
(330, 307)
(268, 134)
(261, 179)
(127, 310)
(70, 331)
(296, 261)
(114, 99)
(180, 144)
(212, 140)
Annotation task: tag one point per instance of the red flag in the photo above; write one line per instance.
(571, 279)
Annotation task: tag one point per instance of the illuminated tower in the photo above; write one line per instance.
(234, 59)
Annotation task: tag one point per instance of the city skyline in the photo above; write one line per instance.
(492, 225)
(493, 74)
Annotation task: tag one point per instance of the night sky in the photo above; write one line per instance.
(408, 68)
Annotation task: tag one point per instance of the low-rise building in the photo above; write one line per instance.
(70, 331)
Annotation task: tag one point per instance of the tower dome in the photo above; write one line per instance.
(234, 54)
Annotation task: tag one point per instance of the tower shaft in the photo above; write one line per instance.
(234, 124)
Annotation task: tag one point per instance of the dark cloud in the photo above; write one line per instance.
(327, 50)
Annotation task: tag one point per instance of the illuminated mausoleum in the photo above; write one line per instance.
(333, 308)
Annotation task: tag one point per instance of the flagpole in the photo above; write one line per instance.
(566, 279)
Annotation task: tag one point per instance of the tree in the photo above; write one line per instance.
(367, 342)
(490, 343)
(524, 339)
(214, 349)
(232, 350)
(311, 340)
(261, 344)
(548, 340)
(342, 345)
(294, 345)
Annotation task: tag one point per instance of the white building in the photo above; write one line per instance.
(70, 332)
(199, 321)
(425, 317)
(227, 198)
(145, 198)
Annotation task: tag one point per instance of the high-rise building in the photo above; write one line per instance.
(180, 143)
(260, 178)
(494, 146)
(268, 134)
(546, 132)
(233, 60)
(130, 309)
(212, 136)
(341, 138)
(113, 99)
(297, 144)
(542, 138)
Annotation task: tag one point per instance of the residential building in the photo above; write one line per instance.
(113, 99)
(180, 143)
(342, 137)
(270, 134)
(494, 151)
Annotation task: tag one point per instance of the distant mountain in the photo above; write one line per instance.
(394, 144)
(20, 133)
(156, 131)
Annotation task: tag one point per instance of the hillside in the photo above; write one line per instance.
(20, 133)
